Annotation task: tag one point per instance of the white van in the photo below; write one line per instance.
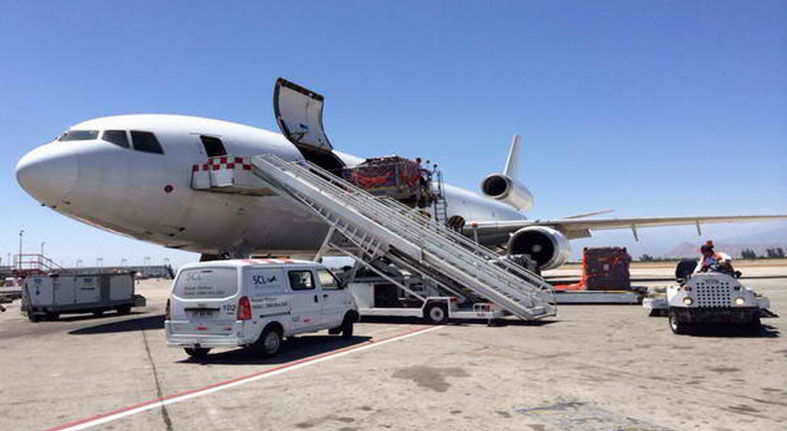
(255, 302)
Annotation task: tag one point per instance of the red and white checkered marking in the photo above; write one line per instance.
(223, 162)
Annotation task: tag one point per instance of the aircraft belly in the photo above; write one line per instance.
(257, 224)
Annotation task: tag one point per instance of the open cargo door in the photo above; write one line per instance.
(299, 114)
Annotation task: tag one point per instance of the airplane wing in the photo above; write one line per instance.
(574, 228)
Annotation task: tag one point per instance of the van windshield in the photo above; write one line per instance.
(206, 283)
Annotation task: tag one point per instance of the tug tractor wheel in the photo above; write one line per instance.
(436, 313)
(755, 326)
(678, 327)
(197, 352)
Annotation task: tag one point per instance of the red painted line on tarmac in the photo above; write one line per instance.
(232, 380)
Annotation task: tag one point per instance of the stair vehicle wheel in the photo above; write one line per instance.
(436, 313)
(269, 342)
(197, 352)
(678, 327)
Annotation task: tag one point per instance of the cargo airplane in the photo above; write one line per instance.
(131, 174)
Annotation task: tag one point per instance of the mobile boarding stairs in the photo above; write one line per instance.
(367, 228)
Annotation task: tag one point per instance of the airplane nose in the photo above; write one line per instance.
(48, 173)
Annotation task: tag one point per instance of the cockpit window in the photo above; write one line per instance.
(117, 137)
(79, 135)
(146, 141)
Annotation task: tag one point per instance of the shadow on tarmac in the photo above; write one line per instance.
(293, 349)
(127, 325)
(732, 331)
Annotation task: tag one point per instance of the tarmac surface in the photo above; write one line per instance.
(593, 367)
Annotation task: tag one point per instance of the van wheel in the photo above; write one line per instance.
(436, 313)
(98, 313)
(197, 352)
(347, 328)
(52, 316)
(126, 309)
(269, 342)
(678, 327)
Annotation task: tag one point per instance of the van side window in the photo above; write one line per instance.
(301, 280)
(146, 141)
(327, 280)
(213, 146)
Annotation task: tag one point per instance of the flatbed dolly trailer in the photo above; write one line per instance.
(435, 310)
(598, 296)
(49, 296)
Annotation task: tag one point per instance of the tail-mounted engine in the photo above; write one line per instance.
(503, 186)
(507, 190)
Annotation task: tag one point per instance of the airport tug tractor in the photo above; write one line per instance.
(713, 297)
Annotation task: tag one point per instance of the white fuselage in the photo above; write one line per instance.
(148, 195)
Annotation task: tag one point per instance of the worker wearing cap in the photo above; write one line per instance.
(710, 257)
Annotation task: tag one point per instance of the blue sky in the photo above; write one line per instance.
(650, 108)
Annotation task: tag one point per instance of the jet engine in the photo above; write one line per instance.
(548, 247)
(507, 190)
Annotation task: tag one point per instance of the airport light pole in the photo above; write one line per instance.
(42, 247)
(21, 234)
(99, 262)
(79, 263)
(123, 261)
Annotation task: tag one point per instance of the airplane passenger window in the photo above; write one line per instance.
(213, 146)
(146, 141)
(117, 137)
(79, 135)
(301, 280)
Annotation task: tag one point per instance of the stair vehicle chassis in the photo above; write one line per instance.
(379, 298)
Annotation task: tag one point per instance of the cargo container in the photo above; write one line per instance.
(49, 296)
(606, 268)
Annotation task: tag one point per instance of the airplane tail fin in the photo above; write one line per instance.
(511, 168)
